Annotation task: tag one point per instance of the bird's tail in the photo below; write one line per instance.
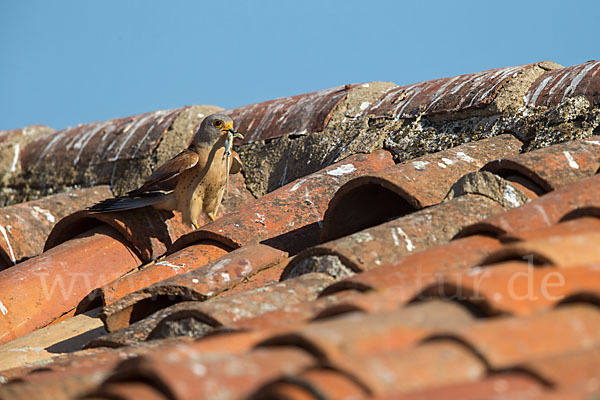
(129, 203)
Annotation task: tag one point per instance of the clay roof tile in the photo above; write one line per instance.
(406, 187)
(25, 226)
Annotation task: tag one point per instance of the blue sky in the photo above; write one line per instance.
(68, 62)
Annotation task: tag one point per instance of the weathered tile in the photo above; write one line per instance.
(24, 227)
(392, 192)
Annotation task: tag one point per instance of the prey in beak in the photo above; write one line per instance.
(231, 135)
(228, 129)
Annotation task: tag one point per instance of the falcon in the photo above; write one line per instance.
(193, 181)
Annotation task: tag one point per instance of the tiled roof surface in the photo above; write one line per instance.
(434, 240)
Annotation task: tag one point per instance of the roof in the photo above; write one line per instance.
(422, 241)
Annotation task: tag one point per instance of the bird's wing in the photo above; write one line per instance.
(236, 163)
(169, 170)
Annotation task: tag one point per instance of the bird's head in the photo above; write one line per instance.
(213, 128)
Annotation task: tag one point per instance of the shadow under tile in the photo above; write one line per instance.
(76, 342)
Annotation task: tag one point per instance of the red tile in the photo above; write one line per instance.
(291, 315)
(559, 251)
(541, 212)
(388, 242)
(426, 366)
(577, 369)
(149, 231)
(421, 267)
(553, 87)
(217, 312)
(296, 115)
(197, 284)
(233, 343)
(99, 142)
(227, 310)
(185, 260)
(570, 394)
(445, 95)
(507, 385)
(24, 227)
(41, 289)
(514, 287)
(79, 362)
(313, 384)
(263, 278)
(187, 374)
(57, 389)
(130, 390)
(508, 341)
(409, 186)
(577, 225)
(288, 218)
(358, 333)
(68, 376)
(554, 166)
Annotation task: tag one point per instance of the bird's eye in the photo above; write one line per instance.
(218, 124)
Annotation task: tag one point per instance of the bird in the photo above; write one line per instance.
(194, 181)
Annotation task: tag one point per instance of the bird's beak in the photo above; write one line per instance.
(228, 128)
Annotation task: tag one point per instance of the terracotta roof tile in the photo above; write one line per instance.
(553, 87)
(583, 368)
(544, 211)
(509, 341)
(289, 217)
(415, 368)
(463, 92)
(261, 279)
(366, 334)
(53, 389)
(313, 384)
(460, 254)
(514, 287)
(37, 291)
(130, 390)
(196, 318)
(24, 227)
(409, 186)
(148, 231)
(94, 143)
(566, 250)
(578, 225)
(67, 376)
(229, 309)
(183, 373)
(190, 258)
(290, 316)
(498, 386)
(554, 166)
(295, 115)
(385, 243)
(197, 284)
